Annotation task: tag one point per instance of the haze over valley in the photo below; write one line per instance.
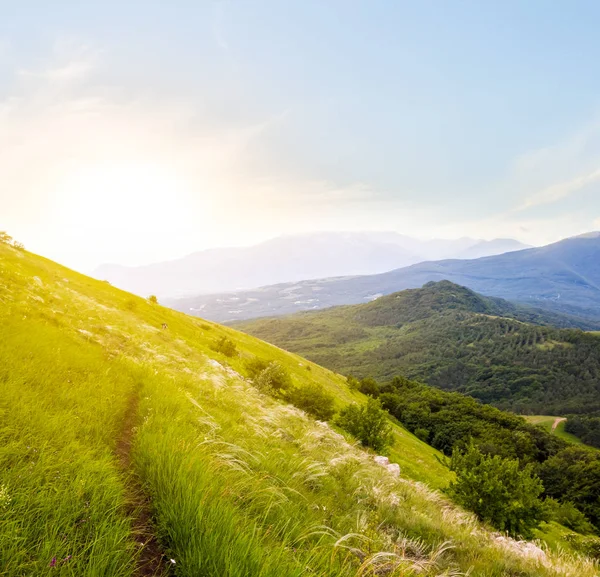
(293, 258)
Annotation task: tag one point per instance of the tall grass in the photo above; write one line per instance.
(64, 499)
(239, 484)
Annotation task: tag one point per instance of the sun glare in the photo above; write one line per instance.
(129, 198)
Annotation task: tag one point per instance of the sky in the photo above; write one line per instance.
(138, 131)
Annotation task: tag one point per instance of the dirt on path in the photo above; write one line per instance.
(557, 422)
(151, 561)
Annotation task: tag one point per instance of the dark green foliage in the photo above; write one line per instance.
(586, 428)
(453, 421)
(274, 379)
(368, 423)
(589, 546)
(313, 399)
(226, 347)
(498, 491)
(449, 420)
(573, 475)
(369, 386)
(568, 516)
(353, 382)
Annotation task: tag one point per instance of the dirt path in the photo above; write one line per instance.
(151, 559)
(557, 422)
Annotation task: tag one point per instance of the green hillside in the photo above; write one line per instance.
(132, 449)
(552, 426)
(452, 338)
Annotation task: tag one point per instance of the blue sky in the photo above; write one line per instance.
(219, 123)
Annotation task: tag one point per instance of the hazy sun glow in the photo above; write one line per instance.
(117, 195)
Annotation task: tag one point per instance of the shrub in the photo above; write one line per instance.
(422, 434)
(368, 423)
(369, 386)
(589, 546)
(5, 238)
(498, 491)
(225, 346)
(153, 299)
(353, 382)
(131, 305)
(569, 516)
(314, 400)
(274, 379)
(255, 366)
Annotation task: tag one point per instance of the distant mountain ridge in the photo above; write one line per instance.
(563, 277)
(291, 259)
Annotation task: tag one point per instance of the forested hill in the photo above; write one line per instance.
(452, 338)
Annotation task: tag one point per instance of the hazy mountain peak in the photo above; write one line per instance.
(292, 258)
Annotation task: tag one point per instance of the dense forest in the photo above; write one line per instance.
(586, 427)
(448, 421)
(447, 336)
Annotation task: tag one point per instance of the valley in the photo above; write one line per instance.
(236, 482)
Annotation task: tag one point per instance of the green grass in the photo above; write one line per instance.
(547, 421)
(238, 483)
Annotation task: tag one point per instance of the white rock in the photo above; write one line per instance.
(383, 461)
(394, 469)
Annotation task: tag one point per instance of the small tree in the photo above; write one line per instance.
(498, 491)
(313, 399)
(5, 238)
(255, 366)
(226, 347)
(369, 386)
(153, 299)
(368, 423)
(274, 379)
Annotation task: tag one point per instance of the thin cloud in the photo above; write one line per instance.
(559, 191)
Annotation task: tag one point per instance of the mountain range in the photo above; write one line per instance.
(292, 259)
(562, 277)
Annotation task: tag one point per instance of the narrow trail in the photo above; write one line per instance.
(151, 559)
(557, 422)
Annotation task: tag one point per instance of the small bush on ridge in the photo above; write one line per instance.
(274, 379)
(226, 347)
(368, 423)
(313, 399)
(498, 491)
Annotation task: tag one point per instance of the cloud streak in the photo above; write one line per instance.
(560, 191)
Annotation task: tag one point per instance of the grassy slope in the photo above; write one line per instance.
(238, 483)
(547, 421)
